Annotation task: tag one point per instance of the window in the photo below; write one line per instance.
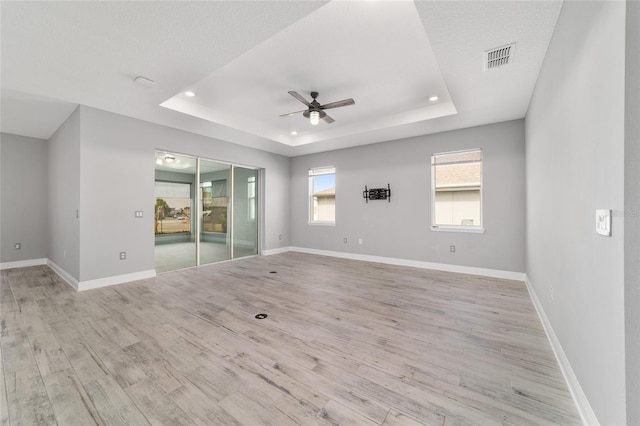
(173, 207)
(457, 190)
(214, 206)
(322, 195)
(251, 197)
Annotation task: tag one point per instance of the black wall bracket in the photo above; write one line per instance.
(377, 193)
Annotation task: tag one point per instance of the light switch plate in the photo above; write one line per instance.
(138, 213)
(603, 222)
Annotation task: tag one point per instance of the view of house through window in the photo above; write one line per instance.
(173, 207)
(214, 206)
(322, 194)
(457, 189)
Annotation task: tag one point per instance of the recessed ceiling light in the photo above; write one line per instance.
(294, 133)
(189, 93)
(433, 99)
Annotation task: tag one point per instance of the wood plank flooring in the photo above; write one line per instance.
(345, 342)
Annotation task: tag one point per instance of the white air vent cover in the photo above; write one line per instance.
(499, 56)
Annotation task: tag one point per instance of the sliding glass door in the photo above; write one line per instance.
(174, 223)
(245, 212)
(205, 211)
(215, 185)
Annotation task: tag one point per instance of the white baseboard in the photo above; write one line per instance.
(582, 403)
(493, 273)
(89, 284)
(63, 274)
(120, 279)
(23, 263)
(275, 251)
(116, 279)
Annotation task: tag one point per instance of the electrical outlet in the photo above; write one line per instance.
(452, 249)
(17, 246)
(360, 241)
(345, 240)
(138, 213)
(280, 236)
(123, 255)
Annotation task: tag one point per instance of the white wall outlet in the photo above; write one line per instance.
(345, 240)
(280, 236)
(452, 249)
(138, 213)
(17, 246)
(603, 222)
(360, 241)
(123, 255)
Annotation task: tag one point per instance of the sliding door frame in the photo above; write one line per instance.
(260, 187)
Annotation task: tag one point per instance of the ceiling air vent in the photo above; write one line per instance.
(499, 56)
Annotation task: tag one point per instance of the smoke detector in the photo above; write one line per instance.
(499, 57)
(145, 82)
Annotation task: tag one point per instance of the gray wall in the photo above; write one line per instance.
(24, 207)
(400, 229)
(113, 142)
(575, 165)
(64, 196)
(632, 211)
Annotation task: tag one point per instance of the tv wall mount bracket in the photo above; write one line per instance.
(377, 193)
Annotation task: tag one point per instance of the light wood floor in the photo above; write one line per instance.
(345, 342)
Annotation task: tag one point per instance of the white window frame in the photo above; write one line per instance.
(456, 228)
(313, 172)
(252, 190)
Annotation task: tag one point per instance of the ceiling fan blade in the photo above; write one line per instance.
(337, 104)
(292, 113)
(328, 119)
(299, 97)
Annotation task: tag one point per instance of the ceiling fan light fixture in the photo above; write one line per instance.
(314, 117)
(315, 111)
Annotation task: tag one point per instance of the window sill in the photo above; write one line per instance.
(322, 223)
(457, 229)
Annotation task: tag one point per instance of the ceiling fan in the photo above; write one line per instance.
(315, 112)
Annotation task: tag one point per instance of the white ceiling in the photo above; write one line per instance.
(241, 58)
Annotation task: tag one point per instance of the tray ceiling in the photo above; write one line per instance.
(241, 58)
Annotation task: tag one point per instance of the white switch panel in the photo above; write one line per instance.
(603, 222)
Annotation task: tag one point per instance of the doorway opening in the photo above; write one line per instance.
(205, 211)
